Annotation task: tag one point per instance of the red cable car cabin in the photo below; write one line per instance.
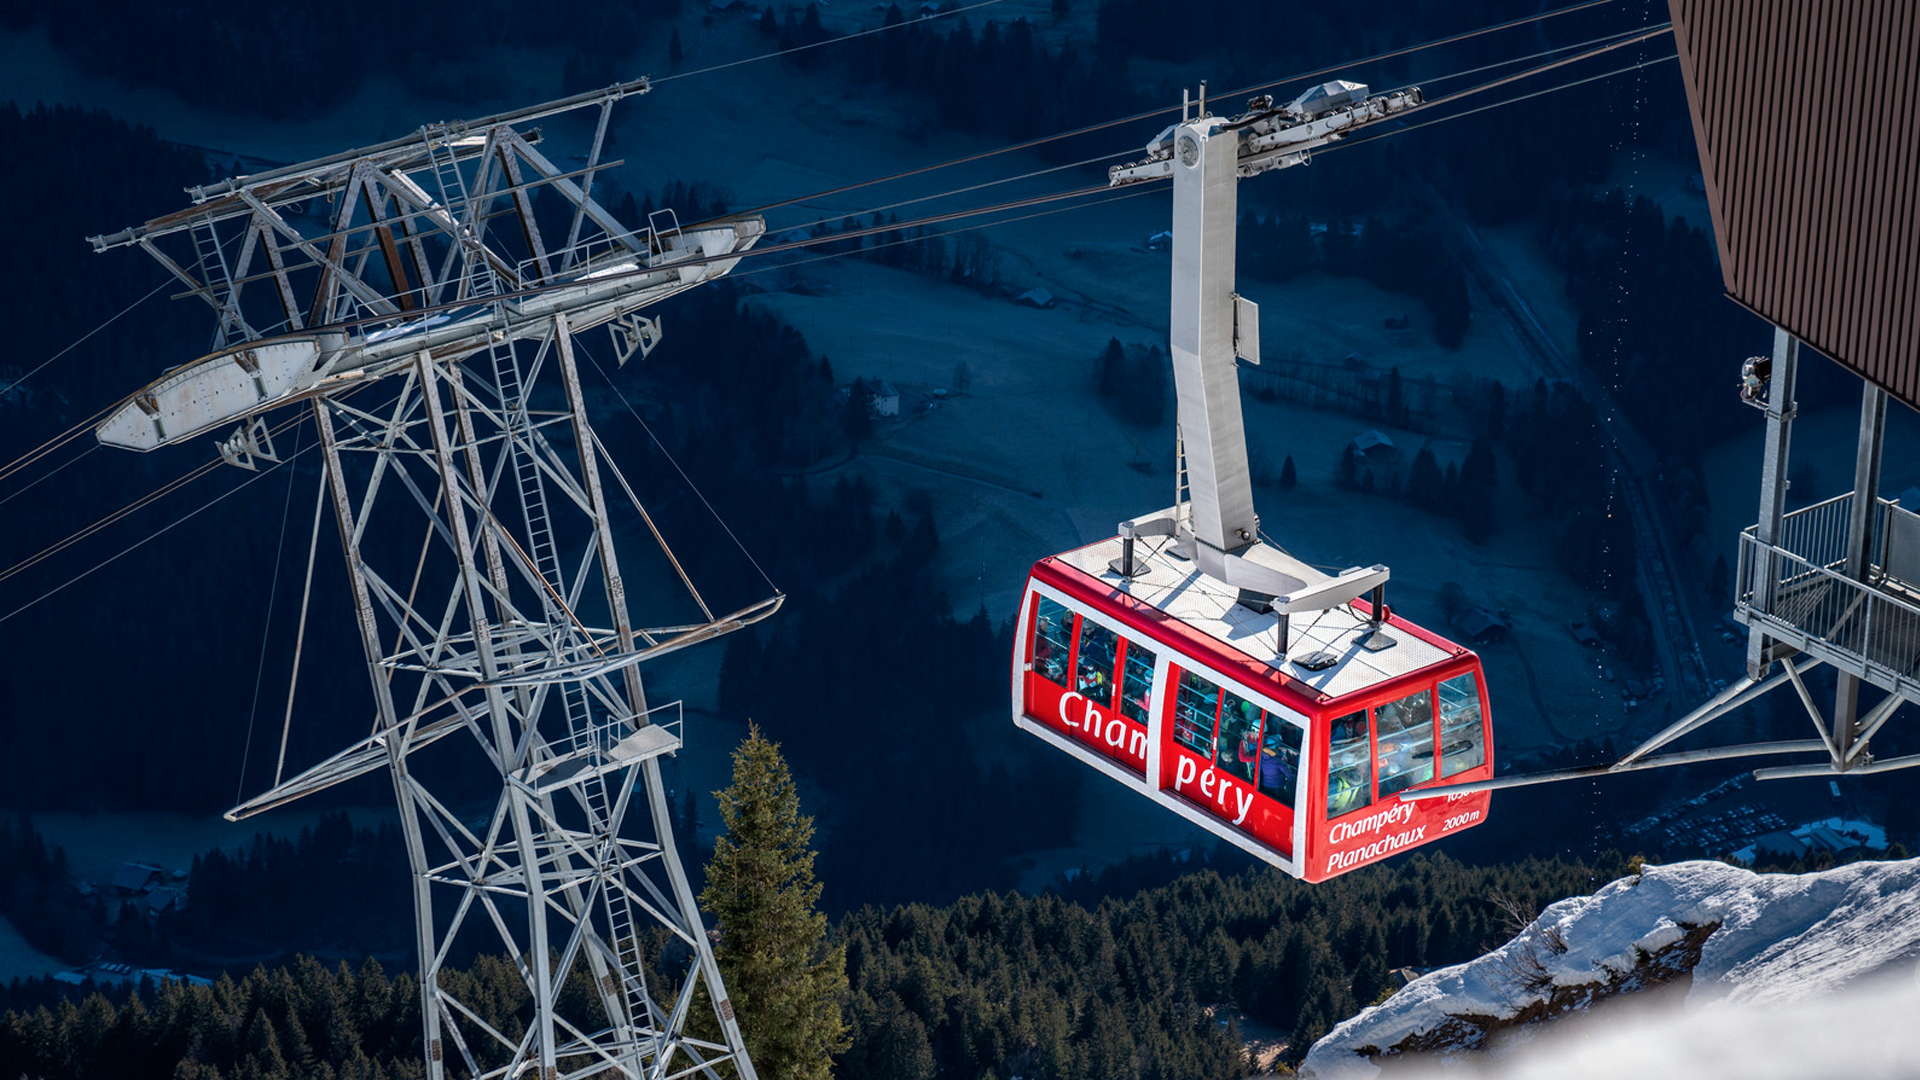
(1162, 682)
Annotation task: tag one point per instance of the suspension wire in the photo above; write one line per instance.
(822, 44)
(936, 219)
(1131, 191)
(266, 635)
(1435, 43)
(155, 534)
(648, 518)
(53, 443)
(83, 338)
(955, 215)
(49, 474)
(1151, 113)
(971, 187)
(1541, 55)
(1637, 65)
(922, 222)
(1481, 88)
(300, 638)
(136, 505)
(668, 454)
(917, 223)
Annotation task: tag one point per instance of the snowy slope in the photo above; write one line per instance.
(1772, 946)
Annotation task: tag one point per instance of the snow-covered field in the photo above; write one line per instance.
(1792, 976)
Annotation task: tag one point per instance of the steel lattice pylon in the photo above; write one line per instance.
(508, 620)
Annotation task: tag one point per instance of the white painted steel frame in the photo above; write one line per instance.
(573, 870)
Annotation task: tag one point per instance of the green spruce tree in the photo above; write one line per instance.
(785, 979)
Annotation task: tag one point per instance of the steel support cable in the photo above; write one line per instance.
(48, 475)
(132, 507)
(1481, 88)
(54, 443)
(1611, 42)
(651, 527)
(1449, 40)
(136, 505)
(955, 215)
(668, 454)
(935, 219)
(1037, 200)
(1541, 55)
(1637, 65)
(821, 44)
(1151, 113)
(963, 190)
(154, 535)
(300, 638)
(83, 338)
(266, 635)
(1131, 191)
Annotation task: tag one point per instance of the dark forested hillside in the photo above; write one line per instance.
(994, 985)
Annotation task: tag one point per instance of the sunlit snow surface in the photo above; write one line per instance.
(1807, 975)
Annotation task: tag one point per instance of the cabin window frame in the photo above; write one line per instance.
(1081, 609)
(1270, 708)
(1480, 715)
(1410, 761)
(1033, 642)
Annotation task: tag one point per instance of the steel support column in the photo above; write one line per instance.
(1866, 497)
(1773, 493)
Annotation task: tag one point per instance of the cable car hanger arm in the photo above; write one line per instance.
(1211, 328)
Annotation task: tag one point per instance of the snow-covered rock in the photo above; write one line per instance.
(1747, 940)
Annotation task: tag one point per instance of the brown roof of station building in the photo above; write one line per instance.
(1805, 115)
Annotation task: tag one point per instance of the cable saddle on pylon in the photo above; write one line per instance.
(1274, 137)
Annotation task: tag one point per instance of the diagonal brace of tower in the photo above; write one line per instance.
(438, 358)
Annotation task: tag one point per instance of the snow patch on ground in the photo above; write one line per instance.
(1768, 945)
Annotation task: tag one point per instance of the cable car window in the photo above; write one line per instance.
(1404, 730)
(1279, 760)
(1052, 641)
(1194, 710)
(1136, 687)
(1099, 648)
(1462, 736)
(1239, 736)
(1349, 766)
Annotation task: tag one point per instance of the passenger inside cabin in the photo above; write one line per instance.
(1052, 641)
(1279, 760)
(1349, 766)
(1239, 746)
(1099, 647)
(1136, 694)
(1405, 730)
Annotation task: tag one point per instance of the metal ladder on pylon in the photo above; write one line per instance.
(582, 736)
(622, 937)
(211, 262)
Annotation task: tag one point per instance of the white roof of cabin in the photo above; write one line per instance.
(1178, 588)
